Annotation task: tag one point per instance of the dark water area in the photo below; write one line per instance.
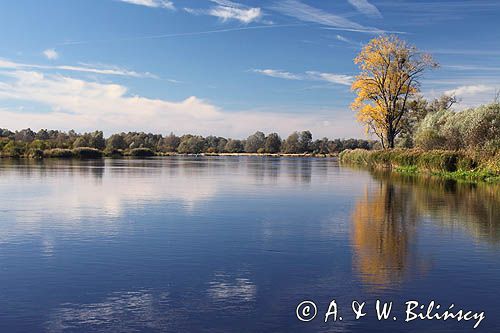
(234, 244)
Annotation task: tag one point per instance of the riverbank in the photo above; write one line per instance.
(92, 153)
(458, 165)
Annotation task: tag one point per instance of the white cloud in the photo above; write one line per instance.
(278, 74)
(347, 41)
(306, 13)
(342, 79)
(152, 3)
(470, 90)
(84, 68)
(472, 95)
(228, 10)
(309, 75)
(51, 54)
(343, 39)
(366, 8)
(87, 105)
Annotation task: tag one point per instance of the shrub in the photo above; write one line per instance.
(87, 152)
(141, 152)
(113, 152)
(58, 153)
(477, 128)
(13, 149)
(36, 154)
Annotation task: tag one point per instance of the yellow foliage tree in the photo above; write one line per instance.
(390, 73)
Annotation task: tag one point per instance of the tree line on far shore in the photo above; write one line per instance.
(29, 143)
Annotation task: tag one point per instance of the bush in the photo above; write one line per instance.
(113, 152)
(58, 153)
(477, 128)
(141, 152)
(36, 154)
(87, 152)
(13, 149)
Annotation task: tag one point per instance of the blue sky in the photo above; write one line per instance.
(225, 67)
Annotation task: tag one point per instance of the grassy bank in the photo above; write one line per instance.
(459, 165)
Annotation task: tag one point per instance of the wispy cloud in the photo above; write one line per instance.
(347, 40)
(51, 54)
(465, 52)
(278, 74)
(152, 3)
(84, 68)
(472, 68)
(228, 10)
(366, 8)
(307, 76)
(343, 39)
(306, 13)
(342, 79)
(184, 34)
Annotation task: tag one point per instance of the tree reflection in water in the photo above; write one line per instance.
(383, 229)
(385, 222)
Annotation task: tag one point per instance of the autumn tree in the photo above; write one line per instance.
(389, 79)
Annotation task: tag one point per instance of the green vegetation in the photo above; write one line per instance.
(462, 145)
(50, 143)
(435, 139)
(459, 165)
(142, 152)
(86, 152)
(58, 152)
(468, 129)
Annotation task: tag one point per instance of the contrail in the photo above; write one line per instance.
(194, 33)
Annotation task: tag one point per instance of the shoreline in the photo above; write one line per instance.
(455, 165)
(98, 154)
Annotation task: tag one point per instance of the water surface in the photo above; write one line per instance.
(228, 244)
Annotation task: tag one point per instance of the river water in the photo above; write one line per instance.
(234, 244)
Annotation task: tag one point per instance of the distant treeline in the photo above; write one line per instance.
(54, 143)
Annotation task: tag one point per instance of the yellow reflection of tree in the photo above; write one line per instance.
(383, 227)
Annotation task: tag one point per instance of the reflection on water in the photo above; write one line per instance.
(119, 312)
(386, 216)
(383, 229)
(234, 244)
(471, 207)
(226, 289)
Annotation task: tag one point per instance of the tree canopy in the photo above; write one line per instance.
(389, 78)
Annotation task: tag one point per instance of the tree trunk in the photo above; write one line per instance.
(390, 138)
